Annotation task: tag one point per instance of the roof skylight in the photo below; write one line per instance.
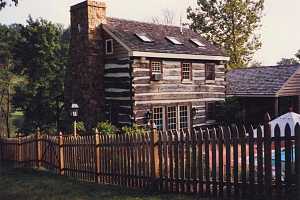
(198, 43)
(143, 37)
(174, 40)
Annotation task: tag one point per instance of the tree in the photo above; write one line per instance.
(290, 61)
(167, 18)
(4, 3)
(255, 63)
(231, 25)
(8, 80)
(41, 58)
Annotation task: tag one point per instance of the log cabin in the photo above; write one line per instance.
(123, 70)
(272, 89)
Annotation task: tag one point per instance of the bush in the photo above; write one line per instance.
(106, 128)
(135, 129)
(80, 127)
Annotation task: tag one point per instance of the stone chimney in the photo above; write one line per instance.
(84, 85)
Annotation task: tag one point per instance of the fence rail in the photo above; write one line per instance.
(222, 161)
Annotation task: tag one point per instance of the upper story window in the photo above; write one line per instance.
(109, 47)
(156, 67)
(186, 71)
(143, 37)
(210, 111)
(174, 40)
(210, 71)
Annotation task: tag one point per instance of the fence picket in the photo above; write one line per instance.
(207, 161)
(288, 158)
(220, 137)
(200, 160)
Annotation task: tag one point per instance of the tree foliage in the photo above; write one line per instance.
(231, 25)
(41, 57)
(290, 61)
(8, 80)
(4, 3)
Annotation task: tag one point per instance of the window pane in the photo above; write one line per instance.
(183, 120)
(186, 71)
(158, 117)
(210, 71)
(172, 118)
(156, 67)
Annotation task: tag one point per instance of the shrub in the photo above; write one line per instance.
(80, 127)
(135, 129)
(106, 128)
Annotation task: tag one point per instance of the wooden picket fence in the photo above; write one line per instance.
(223, 162)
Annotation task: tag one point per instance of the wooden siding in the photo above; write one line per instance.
(172, 90)
(292, 86)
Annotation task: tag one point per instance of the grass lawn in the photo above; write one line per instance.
(36, 185)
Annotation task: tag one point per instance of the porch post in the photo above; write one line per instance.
(276, 106)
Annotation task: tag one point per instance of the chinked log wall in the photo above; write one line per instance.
(223, 162)
(171, 89)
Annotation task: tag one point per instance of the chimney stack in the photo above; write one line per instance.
(85, 79)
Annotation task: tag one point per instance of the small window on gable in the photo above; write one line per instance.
(210, 71)
(210, 111)
(143, 37)
(186, 71)
(174, 40)
(197, 42)
(109, 47)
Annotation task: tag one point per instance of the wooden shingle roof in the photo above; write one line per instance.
(126, 31)
(264, 81)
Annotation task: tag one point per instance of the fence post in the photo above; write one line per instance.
(97, 150)
(61, 154)
(154, 140)
(38, 148)
(19, 149)
(268, 155)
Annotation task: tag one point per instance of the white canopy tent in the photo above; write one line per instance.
(290, 118)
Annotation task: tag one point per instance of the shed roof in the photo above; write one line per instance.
(264, 81)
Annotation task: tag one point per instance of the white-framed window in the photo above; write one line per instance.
(172, 117)
(156, 67)
(186, 71)
(158, 117)
(109, 46)
(184, 117)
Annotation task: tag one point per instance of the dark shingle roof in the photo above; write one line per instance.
(258, 80)
(125, 30)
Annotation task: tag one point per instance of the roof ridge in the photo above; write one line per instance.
(150, 23)
(258, 67)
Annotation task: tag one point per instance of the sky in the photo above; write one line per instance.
(280, 32)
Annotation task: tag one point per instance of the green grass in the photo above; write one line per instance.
(38, 185)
